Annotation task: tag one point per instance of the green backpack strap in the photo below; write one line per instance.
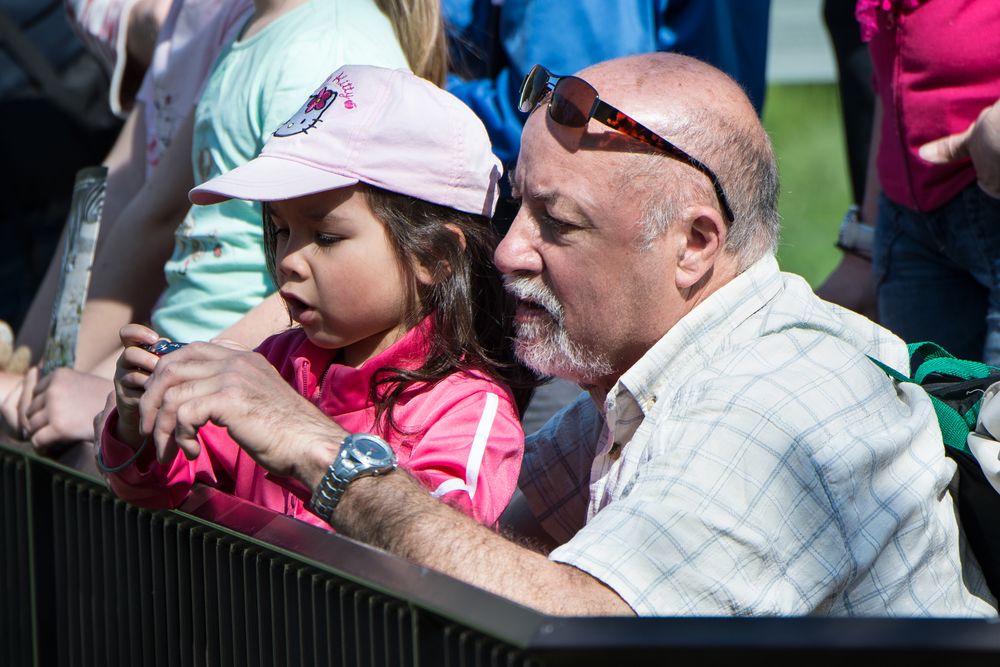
(935, 359)
(954, 428)
(928, 350)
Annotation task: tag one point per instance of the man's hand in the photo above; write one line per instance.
(238, 389)
(851, 286)
(980, 142)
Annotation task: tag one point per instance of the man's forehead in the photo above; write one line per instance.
(566, 193)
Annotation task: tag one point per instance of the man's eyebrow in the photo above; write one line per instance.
(547, 197)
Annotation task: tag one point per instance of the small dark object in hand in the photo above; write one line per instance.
(164, 346)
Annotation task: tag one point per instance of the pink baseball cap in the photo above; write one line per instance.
(384, 127)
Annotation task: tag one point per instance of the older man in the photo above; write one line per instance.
(737, 453)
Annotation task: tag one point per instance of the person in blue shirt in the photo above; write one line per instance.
(494, 43)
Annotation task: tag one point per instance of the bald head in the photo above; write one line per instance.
(669, 88)
(705, 113)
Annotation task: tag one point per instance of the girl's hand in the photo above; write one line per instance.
(134, 367)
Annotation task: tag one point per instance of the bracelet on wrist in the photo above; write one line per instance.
(104, 468)
(856, 237)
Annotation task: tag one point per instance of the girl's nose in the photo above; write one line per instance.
(291, 263)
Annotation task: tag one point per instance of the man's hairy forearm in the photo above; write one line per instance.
(396, 514)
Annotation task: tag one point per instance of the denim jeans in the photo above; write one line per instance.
(938, 274)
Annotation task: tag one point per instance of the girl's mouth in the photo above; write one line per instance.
(297, 308)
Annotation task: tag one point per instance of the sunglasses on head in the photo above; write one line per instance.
(574, 102)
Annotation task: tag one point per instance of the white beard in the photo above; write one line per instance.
(544, 345)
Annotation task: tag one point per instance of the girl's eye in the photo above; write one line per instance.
(324, 240)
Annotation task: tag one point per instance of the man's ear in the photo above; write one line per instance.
(431, 275)
(702, 236)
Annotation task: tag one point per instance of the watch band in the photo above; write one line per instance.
(856, 237)
(327, 493)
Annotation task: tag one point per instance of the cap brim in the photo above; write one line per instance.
(268, 178)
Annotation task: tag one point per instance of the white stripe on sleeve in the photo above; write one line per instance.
(476, 452)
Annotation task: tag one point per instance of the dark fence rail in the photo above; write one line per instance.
(90, 580)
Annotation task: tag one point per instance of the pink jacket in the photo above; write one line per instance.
(461, 436)
(937, 65)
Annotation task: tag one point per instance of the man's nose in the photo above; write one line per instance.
(518, 252)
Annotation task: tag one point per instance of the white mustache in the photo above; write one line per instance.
(536, 292)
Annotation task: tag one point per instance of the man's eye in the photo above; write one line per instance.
(555, 224)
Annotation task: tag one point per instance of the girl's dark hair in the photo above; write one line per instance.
(472, 313)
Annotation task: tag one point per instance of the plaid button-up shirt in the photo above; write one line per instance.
(754, 461)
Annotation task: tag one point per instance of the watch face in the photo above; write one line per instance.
(372, 450)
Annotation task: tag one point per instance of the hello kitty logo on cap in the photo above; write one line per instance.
(306, 118)
(311, 112)
(386, 128)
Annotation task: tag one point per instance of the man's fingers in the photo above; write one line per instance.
(947, 149)
(172, 372)
(190, 417)
(183, 409)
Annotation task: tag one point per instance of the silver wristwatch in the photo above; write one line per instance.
(361, 455)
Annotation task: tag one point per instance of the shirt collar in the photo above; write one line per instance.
(694, 340)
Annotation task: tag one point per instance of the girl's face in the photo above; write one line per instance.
(338, 273)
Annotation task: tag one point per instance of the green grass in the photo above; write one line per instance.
(805, 126)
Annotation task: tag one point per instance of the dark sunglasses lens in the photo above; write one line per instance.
(533, 88)
(572, 100)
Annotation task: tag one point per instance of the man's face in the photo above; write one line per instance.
(592, 298)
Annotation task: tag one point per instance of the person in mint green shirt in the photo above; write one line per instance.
(216, 273)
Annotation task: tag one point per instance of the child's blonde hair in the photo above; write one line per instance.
(419, 27)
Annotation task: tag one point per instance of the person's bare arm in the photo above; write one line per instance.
(128, 270)
(126, 175)
(268, 317)
(396, 514)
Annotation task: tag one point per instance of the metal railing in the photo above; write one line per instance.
(90, 580)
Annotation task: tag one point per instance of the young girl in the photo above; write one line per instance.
(376, 226)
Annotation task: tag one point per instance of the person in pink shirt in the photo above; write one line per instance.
(933, 184)
(377, 197)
